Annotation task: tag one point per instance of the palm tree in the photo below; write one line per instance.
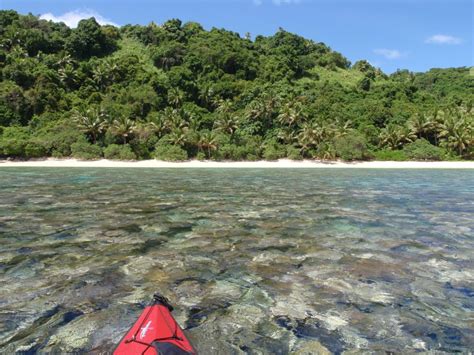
(459, 141)
(18, 52)
(175, 97)
(207, 97)
(326, 152)
(65, 61)
(406, 135)
(311, 135)
(170, 56)
(329, 154)
(92, 122)
(66, 70)
(177, 137)
(290, 114)
(456, 132)
(167, 61)
(123, 127)
(342, 129)
(67, 76)
(105, 73)
(207, 141)
(256, 110)
(194, 123)
(227, 124)
(112, 69)
(173, 119)
(263, 109)
(420, 125)
(143, 130)
(394, 137)
(287, 136)
(100, 77)
(226, 121)
(224, 107)
(156, 124)
(436, 119)
(389, 137)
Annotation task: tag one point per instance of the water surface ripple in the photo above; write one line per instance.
(256, 261)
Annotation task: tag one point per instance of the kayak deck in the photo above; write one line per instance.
(155, 332)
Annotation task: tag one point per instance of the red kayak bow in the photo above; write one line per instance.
(155, 332)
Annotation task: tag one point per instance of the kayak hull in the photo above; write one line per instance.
(155, 332)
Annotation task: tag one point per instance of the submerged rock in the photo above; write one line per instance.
(73, 337)
(254, 262)
(310, 348)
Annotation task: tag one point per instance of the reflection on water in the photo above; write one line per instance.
(275, 261)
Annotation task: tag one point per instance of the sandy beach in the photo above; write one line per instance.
(283, 163)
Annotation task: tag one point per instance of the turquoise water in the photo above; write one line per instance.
(255, 261)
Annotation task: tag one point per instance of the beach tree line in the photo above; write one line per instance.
(177, 91)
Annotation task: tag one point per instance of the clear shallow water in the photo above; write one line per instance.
(255, 261)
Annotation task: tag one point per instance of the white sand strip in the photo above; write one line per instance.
(283, 163)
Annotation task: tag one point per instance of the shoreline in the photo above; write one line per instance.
(282, 164)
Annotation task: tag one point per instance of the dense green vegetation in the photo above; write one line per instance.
(176, 91)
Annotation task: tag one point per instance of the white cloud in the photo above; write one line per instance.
(443, 39)
(72, 18)
(389, 53)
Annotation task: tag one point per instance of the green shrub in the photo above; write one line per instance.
(35, 149)
(470, 152)
(201, 156)
(293, 153)
(236, 152)
(16, 132)
(252, 157)
(58, 136)
(60, 143)
(170, 153)
(325, 151)
(85, 150)
(364, 84)
(421, 149)
(226, 152)
(58, 154)
(142, 147)
(119, 152)
(274, 151)
(13, 147)
(13, 141)
(352, 147)
(249, 147)
(390, 155)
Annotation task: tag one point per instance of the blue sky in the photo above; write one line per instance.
(391, 34)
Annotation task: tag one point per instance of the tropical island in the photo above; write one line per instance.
(334, 213)
(176, 91)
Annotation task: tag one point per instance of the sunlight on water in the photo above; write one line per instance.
(278, 261)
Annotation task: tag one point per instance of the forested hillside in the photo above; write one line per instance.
(176, 91)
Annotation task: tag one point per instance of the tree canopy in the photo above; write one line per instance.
(178, 91)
